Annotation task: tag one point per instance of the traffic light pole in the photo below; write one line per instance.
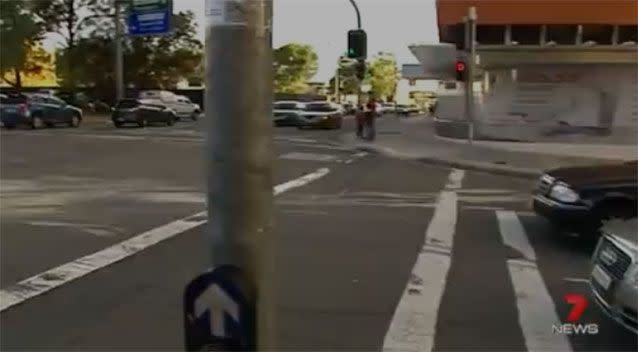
(470, 48)
(239, 150)
(119, 61)
(337, 86)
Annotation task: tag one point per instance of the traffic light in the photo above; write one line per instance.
(461, 70)
(361, 70)
(357, 44)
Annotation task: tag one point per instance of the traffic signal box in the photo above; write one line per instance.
(357, 44)
(461, 70)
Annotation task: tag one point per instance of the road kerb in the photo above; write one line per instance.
(457, 163)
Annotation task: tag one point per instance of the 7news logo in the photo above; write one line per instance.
(572, 327)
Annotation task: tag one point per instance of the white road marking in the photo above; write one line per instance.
(414, 322)
(484, 191)
(296, 139)
(536, 310)
(65, 273)
(577, 280)
(360, 154)
(348, 161)
(514, 235)
(308, 156)
(93, 229)
(455, 178)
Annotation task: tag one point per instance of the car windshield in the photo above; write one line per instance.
(11, 99)
(320, 107)
(128, 104)
(286, 106)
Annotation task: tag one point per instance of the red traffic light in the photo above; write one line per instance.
(460, 66)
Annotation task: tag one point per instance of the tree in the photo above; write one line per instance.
(70, 19)
(295, 64)
(19, 34)
(149, 62)
(162, 62)
(347, 80)
(383, 75)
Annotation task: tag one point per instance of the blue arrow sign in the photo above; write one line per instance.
(217, 312)
(150, 17)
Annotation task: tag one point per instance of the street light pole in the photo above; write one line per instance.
(239, 149)
(119, 61)
(470, 47)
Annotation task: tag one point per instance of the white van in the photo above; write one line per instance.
(180, 105)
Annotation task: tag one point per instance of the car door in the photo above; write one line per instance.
(50, 109)
(61, 113)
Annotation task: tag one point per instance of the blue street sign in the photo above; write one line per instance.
(150, 17)
(217, 312)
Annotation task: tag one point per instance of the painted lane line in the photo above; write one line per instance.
(536, 310)
(360, 154)
(65, 273)
(514, 235)
(414, 322)
(576, 280)
(454, 180)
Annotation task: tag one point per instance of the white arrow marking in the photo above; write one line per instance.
(217, 301)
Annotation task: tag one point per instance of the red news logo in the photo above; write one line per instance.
(578, 304)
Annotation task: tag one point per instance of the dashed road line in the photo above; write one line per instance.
(65, 273)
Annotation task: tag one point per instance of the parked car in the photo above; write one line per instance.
(349, 108)
(185, 107)
(37, 111)
(181, 105)
(386, 108)
(406, 110)
(321, 114)
(580, 198)
(287, 113)
(141, 112)
(614, 275)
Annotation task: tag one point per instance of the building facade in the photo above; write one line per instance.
(546, 64)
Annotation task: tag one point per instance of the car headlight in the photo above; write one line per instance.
(563, 193)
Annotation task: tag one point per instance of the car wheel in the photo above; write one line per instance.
(170, 121)
(49, 124)
(117, 124)
(195, 115)
(9, 127)
(75, 121)
(142, 123)
(37, 122)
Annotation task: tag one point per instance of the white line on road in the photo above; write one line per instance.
(536, 310)
(65, 273)
(414, 322)
(576, 280)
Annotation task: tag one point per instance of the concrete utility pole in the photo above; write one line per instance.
(470, 48)
(238, 98)
(119, 61)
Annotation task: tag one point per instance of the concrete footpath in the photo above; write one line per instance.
(414, 138)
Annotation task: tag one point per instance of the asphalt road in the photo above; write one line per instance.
(377, 253)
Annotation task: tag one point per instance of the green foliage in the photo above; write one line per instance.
(383, 75)
(149, 62)
(19, 34)
(294, 65)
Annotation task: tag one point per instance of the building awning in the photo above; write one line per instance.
(535, 12)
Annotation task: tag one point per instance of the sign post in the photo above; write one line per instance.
(231, 308)
(150, 17)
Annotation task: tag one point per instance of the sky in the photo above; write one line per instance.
(391, 26)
